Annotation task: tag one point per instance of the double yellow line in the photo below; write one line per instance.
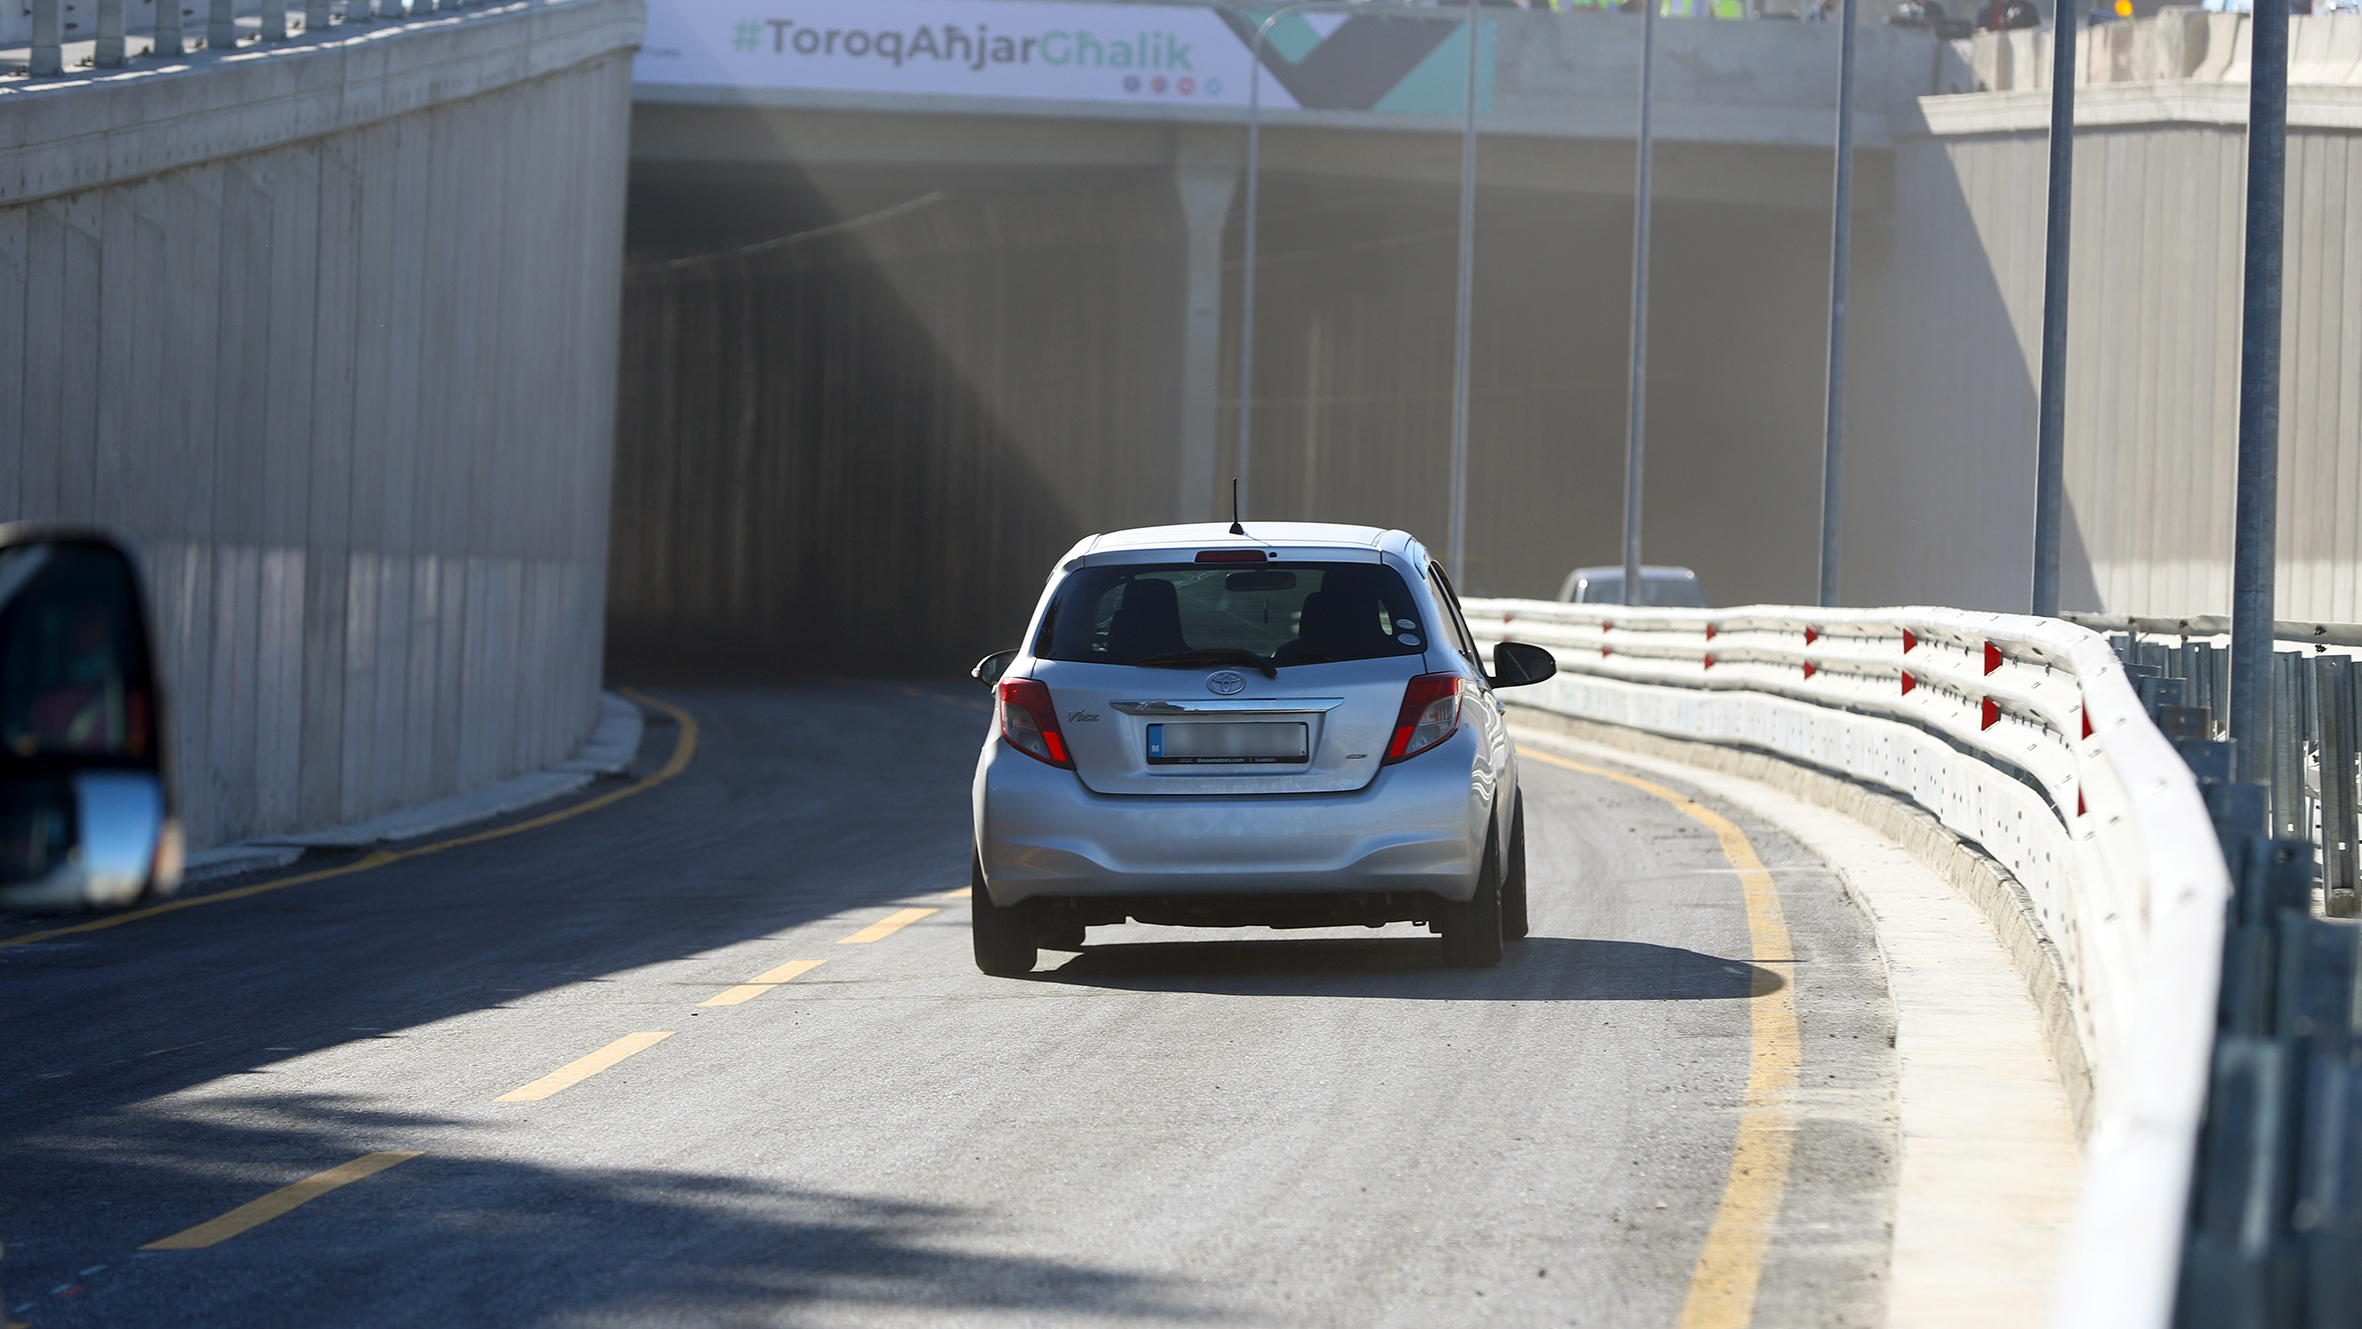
(1723, 1283)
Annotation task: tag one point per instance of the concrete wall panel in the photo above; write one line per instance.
(2153, 369)
(2153, 332)
(350, 392)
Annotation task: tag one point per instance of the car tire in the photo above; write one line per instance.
(1472, 931)
(1513, 907)
(1003, 938)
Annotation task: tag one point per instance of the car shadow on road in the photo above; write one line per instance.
(1535, 969)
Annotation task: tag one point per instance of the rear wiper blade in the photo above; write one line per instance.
(1228, 655)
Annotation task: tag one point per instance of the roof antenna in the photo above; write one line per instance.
(1235, 528)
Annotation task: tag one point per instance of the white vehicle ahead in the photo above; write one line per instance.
(1288, 727)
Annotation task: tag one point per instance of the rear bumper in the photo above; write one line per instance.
(1419, 826)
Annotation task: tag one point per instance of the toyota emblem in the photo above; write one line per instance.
(1227, 683)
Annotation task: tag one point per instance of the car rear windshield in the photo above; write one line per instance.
(1186, 613)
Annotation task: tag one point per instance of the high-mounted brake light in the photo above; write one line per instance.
(1029, 721)
(1233, 556)
(1430, 714)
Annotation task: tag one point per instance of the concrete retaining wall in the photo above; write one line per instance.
(329, 329)
(1940, 486)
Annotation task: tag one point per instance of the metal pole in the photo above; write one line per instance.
(1840, 262)
(2256, 530)
(1466, 294)
(1246, 299)
(1636, 401)
(2050, 439)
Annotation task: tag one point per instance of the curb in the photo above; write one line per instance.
(608, 751)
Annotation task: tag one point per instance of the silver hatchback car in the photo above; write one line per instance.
(1288, 727)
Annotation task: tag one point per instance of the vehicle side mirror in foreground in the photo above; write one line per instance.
(86, 818)
(1516, 664)
(988, 670)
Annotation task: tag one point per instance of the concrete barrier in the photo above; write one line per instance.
(2023, 738)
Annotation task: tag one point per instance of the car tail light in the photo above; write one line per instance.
(1233, 556)
(1029, 722)
(1430, 714)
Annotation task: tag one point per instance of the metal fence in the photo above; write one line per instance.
(111, 38)
(2275, 1239)
(2182, 669)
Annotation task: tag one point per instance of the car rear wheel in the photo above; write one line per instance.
(1472, 931)
(1003, 938)
(1513, 913)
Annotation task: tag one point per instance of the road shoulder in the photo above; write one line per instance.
(1989, 1165)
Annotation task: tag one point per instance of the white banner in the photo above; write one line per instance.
(1169, 54)
(1066, 52)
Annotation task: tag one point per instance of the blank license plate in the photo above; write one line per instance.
(1226, 744)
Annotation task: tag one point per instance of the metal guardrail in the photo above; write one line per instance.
(2029, 738)
(112, 45)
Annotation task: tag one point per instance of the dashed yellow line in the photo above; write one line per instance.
(255, 1213)
(684, 747)
(1723, 1283)
(575, 1072)
(762, 983)
(887, 926)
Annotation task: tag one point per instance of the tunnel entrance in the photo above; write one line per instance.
(865, 404)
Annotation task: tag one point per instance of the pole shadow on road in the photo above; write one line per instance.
(1536, 969)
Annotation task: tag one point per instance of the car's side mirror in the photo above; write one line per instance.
(86, 818)
(1516, 664)
(988, 670)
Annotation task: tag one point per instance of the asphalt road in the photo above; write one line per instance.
(1171, 1127)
